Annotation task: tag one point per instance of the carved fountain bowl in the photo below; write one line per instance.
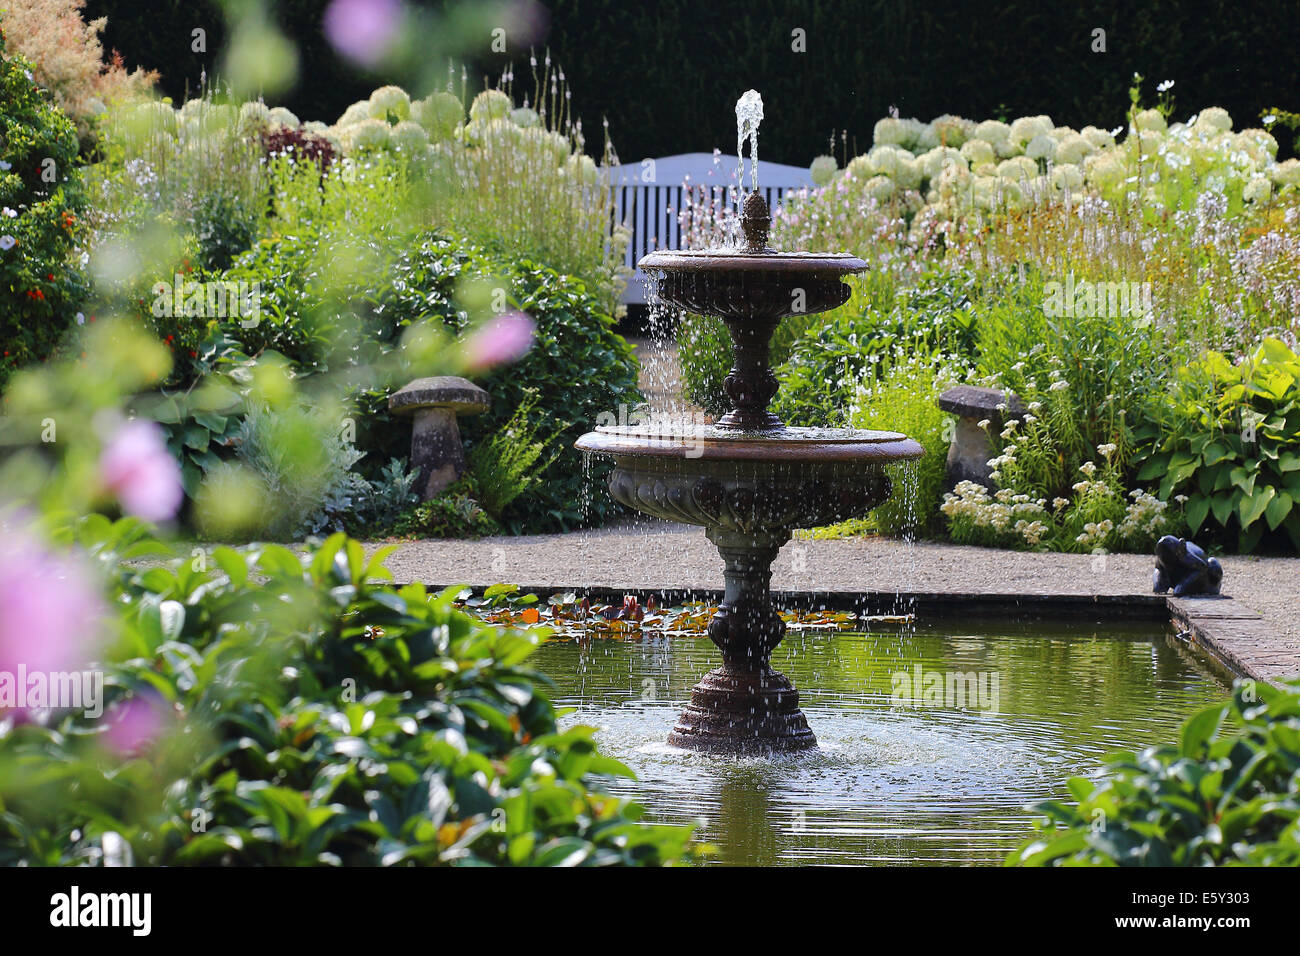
(763, 485)
(762, 287)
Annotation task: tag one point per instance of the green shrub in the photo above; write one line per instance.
(41, 200)
(1228, 437)
(905, 399)
(704, 355)
(1091, 376)
(857, 342)
(578, 365)
(453, 514)
(505, 462)
(309, 714)
(1225, 795)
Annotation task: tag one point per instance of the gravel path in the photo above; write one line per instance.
(646, 554)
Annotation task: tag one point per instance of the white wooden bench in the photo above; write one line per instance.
(649, 197)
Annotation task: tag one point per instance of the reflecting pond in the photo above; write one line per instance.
(932, 736)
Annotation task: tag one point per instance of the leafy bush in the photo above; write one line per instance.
(68, 59)
(453, 514)
(41, 200)
(905, 399)
(283, 709)
(1227, 436)
(1225, 795)
(856, 343)
(505, 463)
(578, 365)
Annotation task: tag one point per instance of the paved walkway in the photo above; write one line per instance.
(644, 554)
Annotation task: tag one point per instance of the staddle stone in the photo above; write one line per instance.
(436, 448)
(971, 448)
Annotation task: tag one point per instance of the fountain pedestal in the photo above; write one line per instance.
(745, 706)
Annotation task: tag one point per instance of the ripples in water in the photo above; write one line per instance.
(890, 783)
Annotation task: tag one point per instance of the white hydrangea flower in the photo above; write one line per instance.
(441, 114)
(993, 132)
(1286, 173)
(860, 168)
(409, 137)
(1213, 118)
(490, 105)
(1104, 170)
(1026, 128)
(582, 169)
(880, 188)
(283, 117)
(951, 131)
(525, 117)
(933, 162)
(1099, 138)
(1152, 120)
(823, 170)
(368, 134)
(908, 174)
(1041, 146)
(978, 152)
(1019, 167)
(893, 132)
(354, 114)
(390, 101)
(1067, 177)
(1259, 189)
(1072, 149)
(1256, 143)
(886, 160)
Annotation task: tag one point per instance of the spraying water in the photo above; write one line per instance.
(749, 113)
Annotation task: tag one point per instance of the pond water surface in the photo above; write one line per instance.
(906, 773)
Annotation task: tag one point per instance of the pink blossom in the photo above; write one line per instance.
(137, 467)
(50, 607)
(135, 723)
(504, 339)
(363, 30)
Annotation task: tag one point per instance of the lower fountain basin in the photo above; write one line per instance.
(749, 490)
(761, 484)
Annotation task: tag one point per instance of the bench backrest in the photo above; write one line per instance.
(649, 197)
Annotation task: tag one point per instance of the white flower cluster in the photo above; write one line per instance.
(1095, 534)
(958, 166)
(1144, 516)
(1004, 511)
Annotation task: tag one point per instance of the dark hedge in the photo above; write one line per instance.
(668, 73)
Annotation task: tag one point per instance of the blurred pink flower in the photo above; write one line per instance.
(135, 723)
(137, 467)
(50, 606)
(363, 30)
(504, 339)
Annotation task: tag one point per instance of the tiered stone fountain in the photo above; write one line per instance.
(749, 479)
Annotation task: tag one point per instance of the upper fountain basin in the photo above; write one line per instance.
(791, 447)
(751, 285)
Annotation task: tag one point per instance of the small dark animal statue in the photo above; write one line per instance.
(1184, 566)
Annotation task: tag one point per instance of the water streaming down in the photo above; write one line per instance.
(748, 479)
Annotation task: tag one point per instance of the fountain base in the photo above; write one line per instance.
(749, 714)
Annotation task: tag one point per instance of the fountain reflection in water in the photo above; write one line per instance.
(749, 479)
